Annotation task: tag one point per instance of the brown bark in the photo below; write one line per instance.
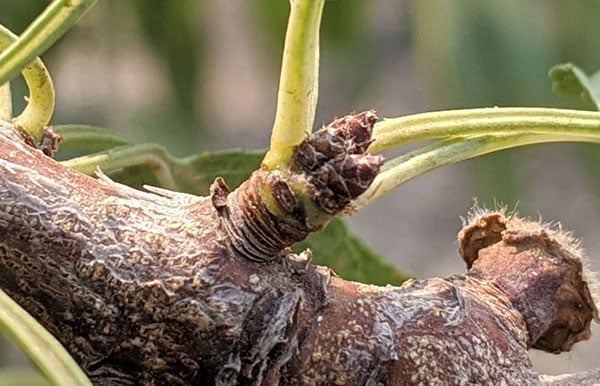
(167, 288)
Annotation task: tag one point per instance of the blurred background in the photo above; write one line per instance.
(203, 75)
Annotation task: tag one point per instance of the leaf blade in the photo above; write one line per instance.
(568, 79)
(349, 257)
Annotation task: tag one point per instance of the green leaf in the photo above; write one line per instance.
(568, 79)
(349, 257)
(86, 148)
(39, 345)
(85, 139)
(235, 166)
(194, 174)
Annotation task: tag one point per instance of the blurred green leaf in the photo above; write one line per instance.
(235, 166)
(16, 15)
(86, 148)
(152, 164)
(568, 79)
(349, 257)
(195, 174)
(84, 139)
(172, 31)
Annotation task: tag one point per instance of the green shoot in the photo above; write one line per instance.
(21, 55)
(299, 82)
(470, 133)
(5, 102)
(39, 110)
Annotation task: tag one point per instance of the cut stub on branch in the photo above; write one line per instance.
(541, 270)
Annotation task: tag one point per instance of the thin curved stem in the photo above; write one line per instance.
(452, 150)
(299, 82)
(38, 111)
(393, 132)
(21, 53)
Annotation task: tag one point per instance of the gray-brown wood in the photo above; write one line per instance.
(160, 288)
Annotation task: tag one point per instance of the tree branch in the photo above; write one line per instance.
(168, 288)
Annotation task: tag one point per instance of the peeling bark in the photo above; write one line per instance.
(164, 288)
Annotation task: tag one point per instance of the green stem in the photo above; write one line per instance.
(455, 149)
(45, 30)
(5, 102)
(393, 132)
(299, 82)
(21, 55)
(39, 345)
(39, 110)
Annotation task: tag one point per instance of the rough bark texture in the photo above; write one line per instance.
(164, 288)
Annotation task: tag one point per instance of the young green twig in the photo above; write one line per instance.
(5, 102)
(20, 55)
(495, 120)
(299, 82)
(39, 110)
(471, 133)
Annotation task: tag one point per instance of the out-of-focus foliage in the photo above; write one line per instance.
(16, 15)
(173, 33)
(569, 79)
(496, 53)
(349, 257)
